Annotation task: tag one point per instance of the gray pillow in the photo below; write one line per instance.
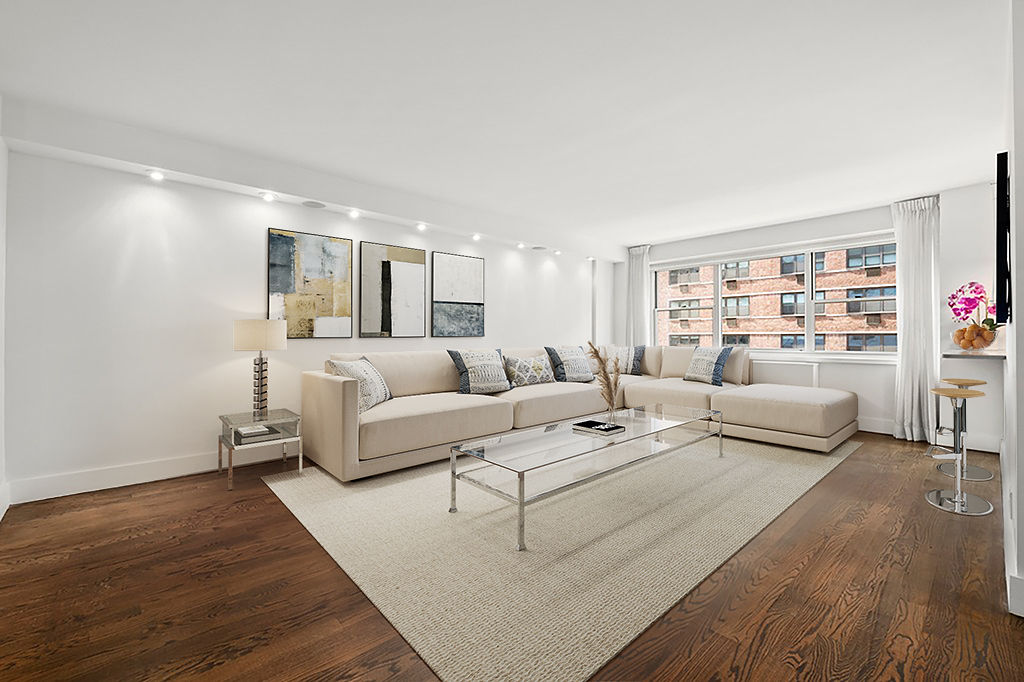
(480, 371)
(707, 364)
(529, 371)
(373, 390)
(571, 363)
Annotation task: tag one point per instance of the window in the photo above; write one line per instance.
(792, 341)
(792, 304)
(819, 261)
(879, 305)
(683, 275)
(736, 270)
(684, 308)
(791, 265)
(819, 308)
(872, 343)
(683, 340)
(736, 306)
(819, 342)
(735, 339)
(871, 256)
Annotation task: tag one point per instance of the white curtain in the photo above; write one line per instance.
(638, 296)
(917, 320)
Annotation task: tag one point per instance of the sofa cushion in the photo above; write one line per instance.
(372, 388)
(793, 409)
(650, 363)
(418, 421)
(735, 371)
(411, 372)
(626, 380)
(675, 360)
(543, 403)
(672, 391)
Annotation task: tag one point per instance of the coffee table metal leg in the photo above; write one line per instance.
(522, 512)
(231, 468)
(452, 509)
(220, 454)
(720, 435)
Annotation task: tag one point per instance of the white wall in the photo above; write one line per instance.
(120, 318)
(5, 496)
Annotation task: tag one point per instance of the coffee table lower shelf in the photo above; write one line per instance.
(544, 481)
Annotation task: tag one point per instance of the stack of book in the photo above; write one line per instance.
(592, 427)
(244, 435)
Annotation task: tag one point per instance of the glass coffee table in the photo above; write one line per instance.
(527, 466)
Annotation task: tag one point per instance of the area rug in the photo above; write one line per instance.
(604, 560)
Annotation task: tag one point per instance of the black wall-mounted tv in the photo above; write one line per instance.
(1004, 302)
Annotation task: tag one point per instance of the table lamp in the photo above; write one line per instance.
(260, 335)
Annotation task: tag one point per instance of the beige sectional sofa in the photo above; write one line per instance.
(427, 414)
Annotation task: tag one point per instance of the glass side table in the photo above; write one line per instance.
(282, 427)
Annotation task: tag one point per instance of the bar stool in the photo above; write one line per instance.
(957, 501)
(968, 472)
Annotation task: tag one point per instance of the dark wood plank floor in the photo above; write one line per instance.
(860, 579)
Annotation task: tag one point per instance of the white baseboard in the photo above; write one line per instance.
(1015, 594)
(5, 498)
(73, 482)
(875, 424)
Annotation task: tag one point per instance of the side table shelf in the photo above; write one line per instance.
(286, 424)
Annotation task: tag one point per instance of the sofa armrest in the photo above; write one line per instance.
(330, 422)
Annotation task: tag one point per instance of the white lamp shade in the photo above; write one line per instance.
(261, 334)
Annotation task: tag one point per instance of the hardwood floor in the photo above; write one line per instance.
(860, 579)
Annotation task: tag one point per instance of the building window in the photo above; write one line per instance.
(736, 269)
(736, 306)
(819, 342)
(819, 261)
(819, 308)
(792, 304)
(736, 339)
(791, 265)
(871, 256)
(878, 300)
(686, 308)
(871, 343)
(683, 275)
(683, 340)
(791, 341)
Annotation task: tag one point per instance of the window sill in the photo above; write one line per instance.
(819, 357)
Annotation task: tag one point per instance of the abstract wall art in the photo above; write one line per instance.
(309, 280)
(457, 306)
(392, 290)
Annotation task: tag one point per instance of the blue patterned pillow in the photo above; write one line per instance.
(480, 371)
(707, 364)
(629, 358)
(571, 363)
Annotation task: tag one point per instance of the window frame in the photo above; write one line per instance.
(882, 240)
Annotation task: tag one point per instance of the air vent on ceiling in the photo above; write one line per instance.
(313, 204)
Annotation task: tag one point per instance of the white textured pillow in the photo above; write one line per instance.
(571, 363)
(707, 364)
(480, 371)
(629, 358)
(372, 388)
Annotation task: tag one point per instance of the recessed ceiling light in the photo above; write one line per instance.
(421, 226)
(476, 237)
(310, 203)
(155, 175)
(558, 253)
(591, 259)
(267, 196)
(354, 213)
(520, 245)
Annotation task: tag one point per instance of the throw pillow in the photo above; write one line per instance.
(707, 364)
(629, 358)
(480, 371)
(571, 363)
(528, 371)
(373, 390)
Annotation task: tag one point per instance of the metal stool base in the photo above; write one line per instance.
(972, 506)
(971, 472)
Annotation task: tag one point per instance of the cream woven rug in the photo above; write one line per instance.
(604, 560)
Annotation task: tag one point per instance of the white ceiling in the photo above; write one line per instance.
(626, 121)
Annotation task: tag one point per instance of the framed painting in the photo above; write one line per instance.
(392, 291)
(457, 295)
(309, 282)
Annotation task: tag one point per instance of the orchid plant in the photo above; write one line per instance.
(972, 300)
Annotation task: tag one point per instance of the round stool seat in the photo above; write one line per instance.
(957, 393)
(964, 383)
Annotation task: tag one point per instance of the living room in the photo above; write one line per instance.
(665, 177)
